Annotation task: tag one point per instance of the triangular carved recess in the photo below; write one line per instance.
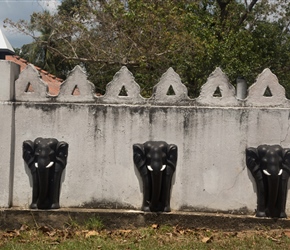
(266, 91)
(170, 88)
(122, 89)
(29, 86)
(76, 91)
(76, 87)
(217, 90)
(170, 91)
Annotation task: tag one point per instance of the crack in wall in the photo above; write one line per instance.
(217, 197)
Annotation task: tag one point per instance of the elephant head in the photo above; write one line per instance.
(46, 159)
(270, 166)
(156, 162)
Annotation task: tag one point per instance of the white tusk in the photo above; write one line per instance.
(36, 164)
(50, 164)
(149, 168)
(280, 172)
(266, 172)
(163, 167)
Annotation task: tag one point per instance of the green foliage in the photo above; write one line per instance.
(192, 36)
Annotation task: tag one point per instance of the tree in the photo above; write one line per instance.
(192, 36)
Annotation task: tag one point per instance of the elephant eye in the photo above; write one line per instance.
(148, 162)
(62, 154)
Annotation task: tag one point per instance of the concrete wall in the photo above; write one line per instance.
(211, 133)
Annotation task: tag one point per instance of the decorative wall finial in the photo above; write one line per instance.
(170, 89)
(217, 90)
(122, 89)
(266, 91)
(76, 82)
(30, 87)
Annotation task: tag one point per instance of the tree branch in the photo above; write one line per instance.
(223, 5)
(248, 10)
(82, 59)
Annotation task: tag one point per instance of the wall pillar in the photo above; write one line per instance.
(9, 72)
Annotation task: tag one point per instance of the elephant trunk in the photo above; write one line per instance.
(43, 176)
(156, 190)
(273, 190)
(43, 165)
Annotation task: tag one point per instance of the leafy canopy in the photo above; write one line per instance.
(149, 36)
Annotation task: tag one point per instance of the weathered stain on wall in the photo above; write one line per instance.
(211, 133)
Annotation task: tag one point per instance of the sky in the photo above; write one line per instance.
(22, 9)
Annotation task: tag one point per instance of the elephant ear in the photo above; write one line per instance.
(139, 156)
(252, 160)
(61, 154)
(172, 155)
(286, 159)
(28, 152)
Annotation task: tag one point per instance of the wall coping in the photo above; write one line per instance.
(29, 87)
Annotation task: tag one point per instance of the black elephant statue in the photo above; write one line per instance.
(46, 159)
(270, 167)
(156, 162)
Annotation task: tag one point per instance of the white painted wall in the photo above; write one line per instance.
(211, 134)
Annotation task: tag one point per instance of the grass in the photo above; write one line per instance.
(93, 235)
(94, 223)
